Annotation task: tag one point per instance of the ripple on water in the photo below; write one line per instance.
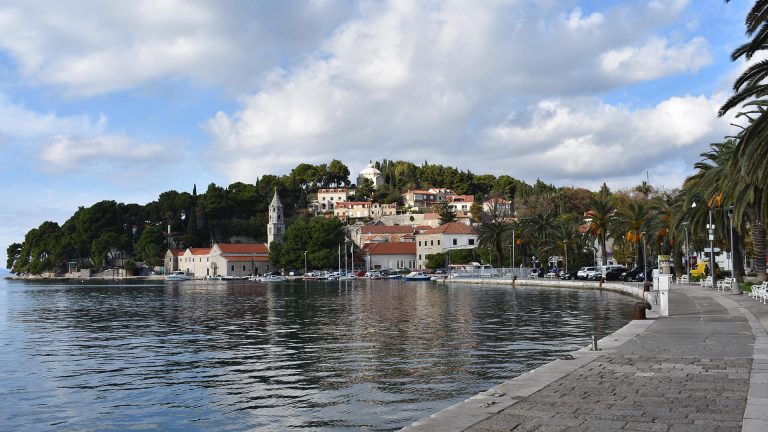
(373, 355)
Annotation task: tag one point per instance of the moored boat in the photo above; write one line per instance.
(417, 276)
(271, 278)
(178, 275)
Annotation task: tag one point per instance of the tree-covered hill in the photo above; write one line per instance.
(97, 235)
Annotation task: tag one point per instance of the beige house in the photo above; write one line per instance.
(327, 198)
(363, 210)
(385, 233)
(460, 203)
(238, 260)
(390, 255)
(195, 261)
(450, 236)
(171, 261)
(224, 259)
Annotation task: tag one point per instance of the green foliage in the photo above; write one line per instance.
(319, 236)
(459, 256)
(151, 247)
(445, 213)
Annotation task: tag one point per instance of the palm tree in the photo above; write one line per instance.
(493, 235)
(566, 236)
(720, 175)
(600, 213)
(540, 229)
(633, 218)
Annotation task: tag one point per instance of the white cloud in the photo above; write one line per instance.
(66, 144)
(415, 81)
(88, 49)
(577, 21)
(63, 152)
(655, 59)
(577, 139)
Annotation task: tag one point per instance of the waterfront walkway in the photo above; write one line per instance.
(703, 368)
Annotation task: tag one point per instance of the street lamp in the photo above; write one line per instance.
(305, 263)
(645, 259)
(687, 253)
(711, 229)
(734, 284)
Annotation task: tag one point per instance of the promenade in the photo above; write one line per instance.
(703, 368)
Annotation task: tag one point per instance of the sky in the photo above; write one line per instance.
(126, 100)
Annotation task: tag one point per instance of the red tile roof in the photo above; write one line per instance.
(451, 228)
(391, 248)
(177, 252)
(257, 258)
(199, 251)
(386, 229)
(243, 248)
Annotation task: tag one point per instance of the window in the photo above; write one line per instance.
(243, 267)
(455, 242)
(419, 242)
(471, 241)
(438, 242)
(233, 267)
(431, 242)
(419, 257)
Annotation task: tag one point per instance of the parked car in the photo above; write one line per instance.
(615, 273)
(584, 272)
(571, 275)
(595, 274)
(634, 275)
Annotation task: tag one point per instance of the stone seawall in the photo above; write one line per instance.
(628, 288)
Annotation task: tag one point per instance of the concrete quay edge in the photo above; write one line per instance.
(487, 403)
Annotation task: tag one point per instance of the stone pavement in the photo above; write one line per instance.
(704, 368)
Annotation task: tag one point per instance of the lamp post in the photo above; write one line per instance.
(645, 259)
(734, 284)
(711, 229)
(513, 250)
(305, 263)
(687, 264)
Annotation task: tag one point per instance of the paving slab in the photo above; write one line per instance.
(703, 368)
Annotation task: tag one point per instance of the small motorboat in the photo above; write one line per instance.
(417, 276)
(178, 275)
(271, 278)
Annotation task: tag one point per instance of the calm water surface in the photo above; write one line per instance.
(353, 355)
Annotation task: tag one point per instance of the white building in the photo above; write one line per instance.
(363, 210)
(195, 261)
(371, 173)
(327, 198)
(450, 236)
(225, 259)
(389, 255)
(276, 224)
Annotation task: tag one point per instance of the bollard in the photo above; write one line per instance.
(639, 308)
(594, 343)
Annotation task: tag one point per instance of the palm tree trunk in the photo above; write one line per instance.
(677, 257)
(738, 260)
(758, 242)
(604, 258)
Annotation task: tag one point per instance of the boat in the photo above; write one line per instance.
(417, 276)
(271, 278)
(178, 275)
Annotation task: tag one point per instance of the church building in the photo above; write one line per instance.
(276, 224)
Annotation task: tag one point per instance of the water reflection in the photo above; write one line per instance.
(347, 355)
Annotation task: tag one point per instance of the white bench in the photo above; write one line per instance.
(706, 282)
(682, 279)
(725, 284)
(759, 292)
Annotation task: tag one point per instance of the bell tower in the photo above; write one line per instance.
(276, 225)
